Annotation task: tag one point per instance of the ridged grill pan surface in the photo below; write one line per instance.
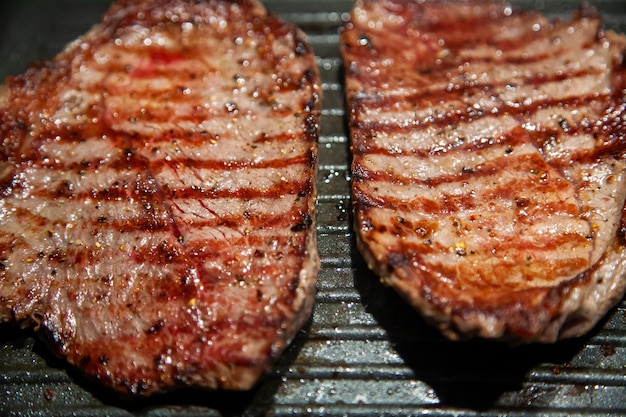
(364, 351)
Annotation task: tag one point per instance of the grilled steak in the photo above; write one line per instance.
(489, 171)
(158, 186)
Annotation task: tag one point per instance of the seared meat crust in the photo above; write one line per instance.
(489, 171)
(158, 186)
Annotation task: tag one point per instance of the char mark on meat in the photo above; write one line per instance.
(488, 163)
(157, 219)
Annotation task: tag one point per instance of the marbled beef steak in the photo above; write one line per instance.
(489, 171)
(158, 187)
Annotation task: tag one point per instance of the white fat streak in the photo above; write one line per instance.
(232, 180)
(513, 87)
(453, 162)
(441, 139)
(93, 150)
(191, 211)
(602, 183)
(493, 101)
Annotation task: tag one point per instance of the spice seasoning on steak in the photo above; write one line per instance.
(158, 190)
(488, 163)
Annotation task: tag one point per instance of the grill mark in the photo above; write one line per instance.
(364, 201)
(73, 256)
(75, 133)
(423, 99)
(134, 118)
(284, 82)
(470, 37)
(450, 204)
(229, 351)
(171, 252)
(457, 39)
(366, 145)
(49, 227)
(28, 217)
(463, 30)
(164, 253)
(160, 61)
(280, 137)
(122, 226)
(134, 224)
(469, 115)
(463, 34)
(275, 246)
(303, 76)
(470, 19)
(534, 179)
(183, 85)
(159, 165)
(414, 251)
(423, 232)
(304, 159)
(181, 95)
(555, 268)
(540, 253)
(608, 129)
(253, 220)
(149, 220)
(135, 162)
(532, 164)
(431, 77)
(155, 224)
(275, 191)
(607, 132)
(613, 148)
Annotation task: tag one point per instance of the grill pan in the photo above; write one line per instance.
(364, 352)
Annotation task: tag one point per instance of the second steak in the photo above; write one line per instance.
(489, 170)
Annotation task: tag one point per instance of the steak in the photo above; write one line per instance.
(158, 188)
(489, 163)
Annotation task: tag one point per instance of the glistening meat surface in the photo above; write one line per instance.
(158, 189)
(489, 171)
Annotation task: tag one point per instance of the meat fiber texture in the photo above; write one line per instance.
(489, 171)
(158, 190)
